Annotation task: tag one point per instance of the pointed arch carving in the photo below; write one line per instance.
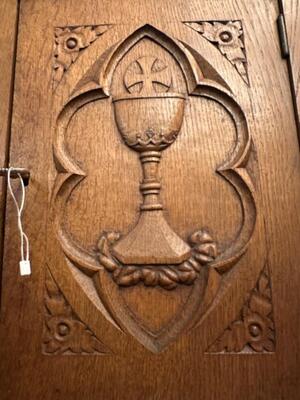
(212, 265)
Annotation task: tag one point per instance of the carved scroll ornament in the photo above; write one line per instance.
(169, 276)
(152, 254)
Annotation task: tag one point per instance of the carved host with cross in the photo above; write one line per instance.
(147, 75)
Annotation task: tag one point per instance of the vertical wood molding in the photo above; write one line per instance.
(291, 9)
(8, 33)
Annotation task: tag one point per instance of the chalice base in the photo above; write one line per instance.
(151, 241)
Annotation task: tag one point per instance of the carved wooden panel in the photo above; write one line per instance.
(161, 184)
(148, 81)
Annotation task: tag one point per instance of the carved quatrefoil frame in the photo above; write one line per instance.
(208, 289)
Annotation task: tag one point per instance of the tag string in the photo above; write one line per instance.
(19, 207)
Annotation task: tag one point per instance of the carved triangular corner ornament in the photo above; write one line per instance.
(228, 38)
(69, 43)
(254, 329)
(64, 333)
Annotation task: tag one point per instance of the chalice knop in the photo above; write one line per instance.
(149, 118)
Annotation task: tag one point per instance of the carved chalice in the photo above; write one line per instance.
(149, 119)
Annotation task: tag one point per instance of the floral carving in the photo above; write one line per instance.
(69, 42)
(254, 330)
(228, 37)
(167, 276)
(64, 333)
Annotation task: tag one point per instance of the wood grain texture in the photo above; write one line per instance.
(291, 10)
(9, 11)
(158, 337)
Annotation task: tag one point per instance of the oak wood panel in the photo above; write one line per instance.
(292, 17)
(118, 363)
(9, 11)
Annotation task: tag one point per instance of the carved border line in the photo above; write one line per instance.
(228, 38)
(254, 330)
(64, 333)
(69, 43)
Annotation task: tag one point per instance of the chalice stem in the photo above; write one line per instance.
(151, 241)
(150, 187)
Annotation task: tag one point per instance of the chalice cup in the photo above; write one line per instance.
(148, 125)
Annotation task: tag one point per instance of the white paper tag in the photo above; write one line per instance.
(25, 268)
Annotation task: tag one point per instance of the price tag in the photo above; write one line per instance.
(25, 268)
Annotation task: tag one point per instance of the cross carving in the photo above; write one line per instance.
(147, 75)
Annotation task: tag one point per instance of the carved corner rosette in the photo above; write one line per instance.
(166, 260)
(228, 38)
(70, 41)
(64, 333)
(254, 329)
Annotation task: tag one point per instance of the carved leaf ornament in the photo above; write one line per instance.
(69, 42)
(228, 37)
(254, 330)
(197, 264)
(64, 333)
(168, 277)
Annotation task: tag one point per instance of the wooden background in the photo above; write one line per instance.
(24, 294)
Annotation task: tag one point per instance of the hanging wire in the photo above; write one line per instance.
(24, 263)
